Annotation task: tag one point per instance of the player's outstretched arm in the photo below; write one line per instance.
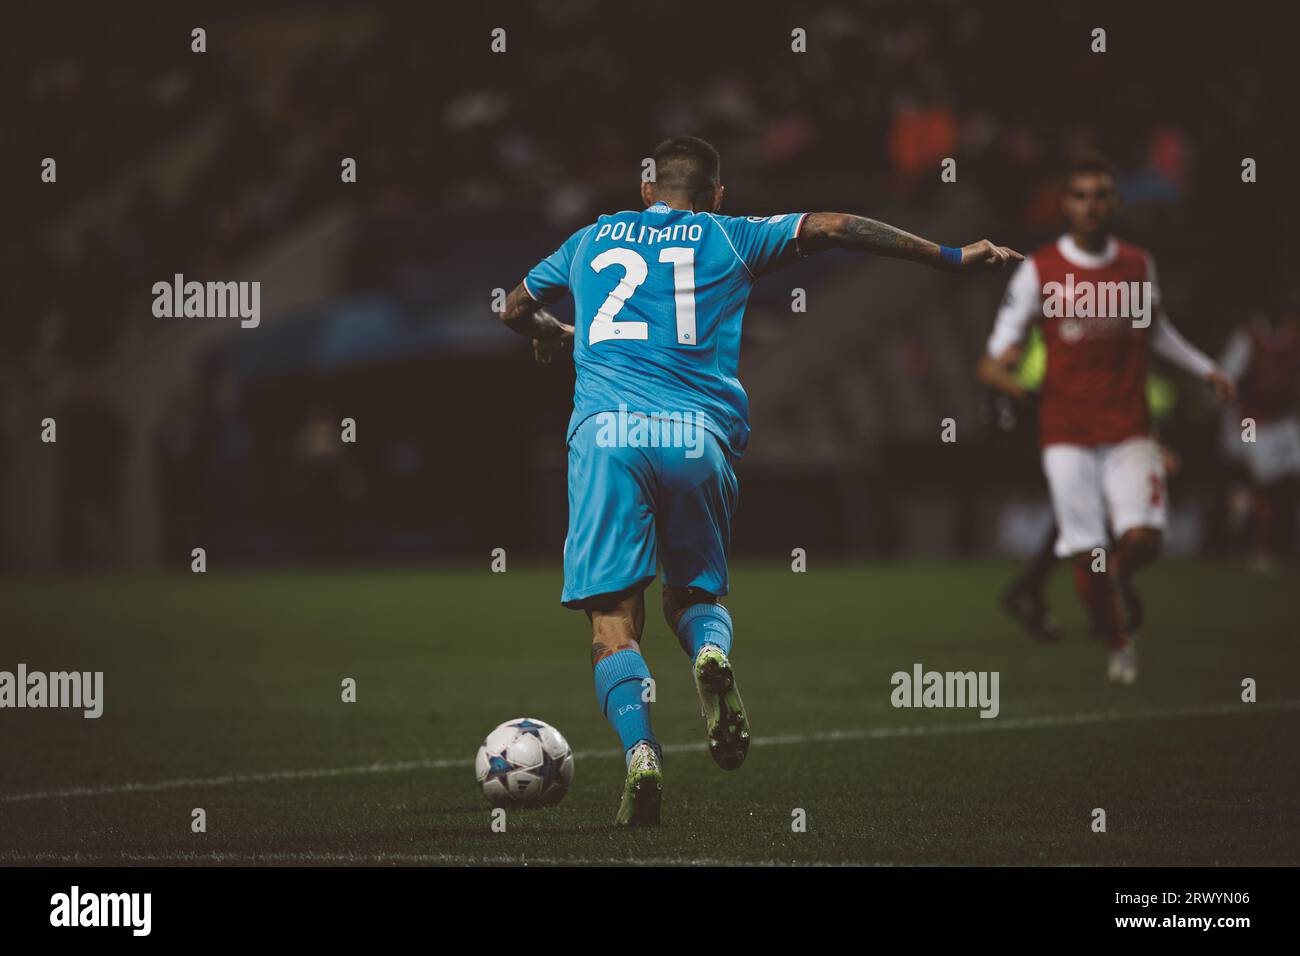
(528, 317)
(1169, 343)
(837, 230)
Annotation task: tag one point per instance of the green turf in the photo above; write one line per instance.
(229, 674)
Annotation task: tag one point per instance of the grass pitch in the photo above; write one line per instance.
(223, 692)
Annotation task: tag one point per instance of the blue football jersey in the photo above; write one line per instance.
(659, 296)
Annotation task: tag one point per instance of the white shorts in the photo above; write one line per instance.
(1099, 487)
(1275, 452)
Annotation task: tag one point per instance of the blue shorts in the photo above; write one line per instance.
(630, 507)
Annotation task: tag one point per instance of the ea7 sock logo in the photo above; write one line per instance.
(103, 909)
(949, 689)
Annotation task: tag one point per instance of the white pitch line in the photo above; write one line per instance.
(976, 725)
(269, 776)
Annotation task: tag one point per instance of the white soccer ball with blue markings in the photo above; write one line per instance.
(524, 763)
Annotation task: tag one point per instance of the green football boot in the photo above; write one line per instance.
(643, 790)
(724, 713)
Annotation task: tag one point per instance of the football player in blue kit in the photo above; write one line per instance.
(659, 418)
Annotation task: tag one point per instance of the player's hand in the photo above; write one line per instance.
(984, 256)
(546, 349)
(1224, 387)
(996, 372)
(1172, 461)
(1011, 356)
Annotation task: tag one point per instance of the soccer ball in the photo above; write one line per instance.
(524, 763)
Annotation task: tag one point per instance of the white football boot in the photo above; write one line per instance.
(1122, 665)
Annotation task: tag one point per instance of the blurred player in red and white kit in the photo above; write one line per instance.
(1098, 304)
(1263, 356)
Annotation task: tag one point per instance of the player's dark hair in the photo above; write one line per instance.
(1089, 164)
(687, 166)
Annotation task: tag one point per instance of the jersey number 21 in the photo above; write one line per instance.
(635, 270)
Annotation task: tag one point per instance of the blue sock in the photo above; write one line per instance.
(704, 624)
(620, 682)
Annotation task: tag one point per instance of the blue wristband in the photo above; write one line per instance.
(950, 254)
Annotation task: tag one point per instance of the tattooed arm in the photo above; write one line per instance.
(835, 230)
(527, 316)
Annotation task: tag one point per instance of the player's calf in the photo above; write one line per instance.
(678, 600)
(1098, 590)
(622, 680)
(1137, 548)
(617, 621)
(1101, 600)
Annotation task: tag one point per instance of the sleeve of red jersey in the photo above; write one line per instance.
(1157, 299)
(1167, 341)
(1236, 356)
(1021, 305)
